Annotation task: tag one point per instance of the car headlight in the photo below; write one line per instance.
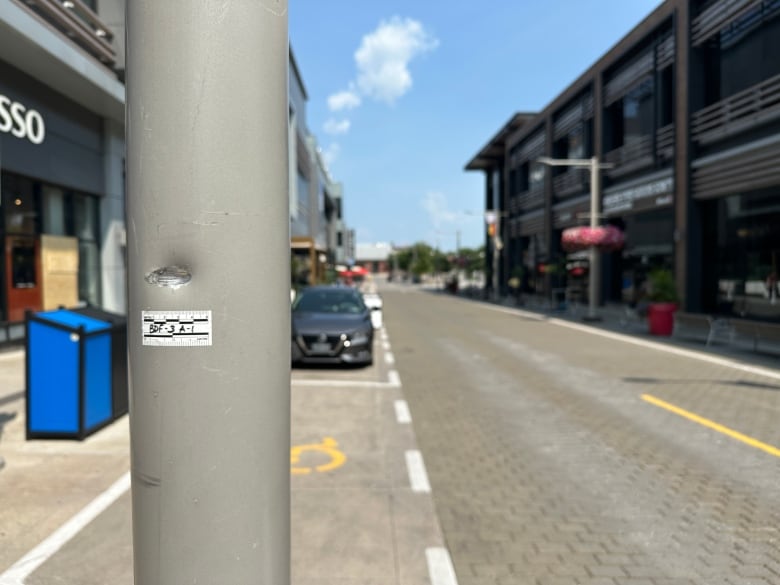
(359, 338)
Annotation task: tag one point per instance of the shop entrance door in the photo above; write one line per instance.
(22, 275)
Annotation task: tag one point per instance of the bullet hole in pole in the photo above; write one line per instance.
(170, 276)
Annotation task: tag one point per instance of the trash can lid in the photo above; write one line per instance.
(74, 320)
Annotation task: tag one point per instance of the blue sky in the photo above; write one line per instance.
(403, 93)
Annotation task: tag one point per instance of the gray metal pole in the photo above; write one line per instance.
(209, 297)
(595, 272)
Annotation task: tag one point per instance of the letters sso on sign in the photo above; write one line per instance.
(17, 120)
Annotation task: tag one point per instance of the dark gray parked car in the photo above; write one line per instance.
(331, 324)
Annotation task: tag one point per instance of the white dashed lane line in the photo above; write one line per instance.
(402, 414)
(418, 477)
(440, 566)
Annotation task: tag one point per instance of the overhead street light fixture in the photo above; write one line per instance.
(595, 190)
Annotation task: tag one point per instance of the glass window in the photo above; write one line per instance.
(20, 204)
(23, 265)
(89, 272)
(638, 112)
(54, 211)
(743, 244)
(85, 216)
(536, 175)
(576, 145)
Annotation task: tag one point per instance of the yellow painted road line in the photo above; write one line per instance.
(712, 425)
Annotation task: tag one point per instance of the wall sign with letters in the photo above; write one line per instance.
(20, 121)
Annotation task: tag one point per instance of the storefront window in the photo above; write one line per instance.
(649, 246)
(742, 258)
(23, 265)
(89, 272)
(54, 211)
(85, 217)
(20, 205)
(85, 223)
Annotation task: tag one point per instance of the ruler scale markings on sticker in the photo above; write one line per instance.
(176, 328)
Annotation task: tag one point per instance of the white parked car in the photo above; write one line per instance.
(374, 302)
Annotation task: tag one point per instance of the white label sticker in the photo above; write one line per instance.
(176, 328)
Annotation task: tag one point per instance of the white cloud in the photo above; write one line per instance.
(384, 55)
(436, 205)
(335, 127)
(344, 100)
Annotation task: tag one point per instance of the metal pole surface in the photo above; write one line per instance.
(209, 297)
(595, 272)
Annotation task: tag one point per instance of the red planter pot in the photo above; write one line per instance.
(660, 317)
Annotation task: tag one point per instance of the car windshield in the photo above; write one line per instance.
(328, 301)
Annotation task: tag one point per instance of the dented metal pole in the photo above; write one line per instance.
(209, 298)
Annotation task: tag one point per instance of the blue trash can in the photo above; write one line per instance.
(69, 392)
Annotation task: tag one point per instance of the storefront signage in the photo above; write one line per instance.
(653, 194)
(21, 122)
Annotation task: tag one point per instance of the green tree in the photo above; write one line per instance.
(472, 260)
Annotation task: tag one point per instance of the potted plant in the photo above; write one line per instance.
(662, 293)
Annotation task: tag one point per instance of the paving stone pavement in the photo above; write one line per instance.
(548, 467)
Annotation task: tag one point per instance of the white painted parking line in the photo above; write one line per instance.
(393, 379)
(46, 549)
(402, 414)
(440, 567)
(389, 359)
(392, 382)
(418, 477)
(386, 345)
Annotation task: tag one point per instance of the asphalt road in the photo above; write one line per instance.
(559, 456)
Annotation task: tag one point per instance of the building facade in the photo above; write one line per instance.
(318, 234)
(686, 111)
(62, 161)
(61, 156)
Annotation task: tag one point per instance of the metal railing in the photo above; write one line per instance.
(570, 182)
(78, 22)
(664, 142)
(530, 199)
(742, 111)
(636, 154)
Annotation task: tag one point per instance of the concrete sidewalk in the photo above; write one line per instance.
(615, 319)
(362, 512)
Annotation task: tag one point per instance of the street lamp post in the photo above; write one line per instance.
(595, 190)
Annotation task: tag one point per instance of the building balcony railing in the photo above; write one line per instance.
(530, 199)
(632, 156)
(570, 182)
(78, 22)
(743, 111)
(664, 142)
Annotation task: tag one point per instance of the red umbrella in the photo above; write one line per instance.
(353, 271)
